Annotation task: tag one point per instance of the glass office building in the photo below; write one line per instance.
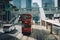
(4, 12)
(23, 3)
(17, 3)
(59, 4)
(28, 3)
(47, 3)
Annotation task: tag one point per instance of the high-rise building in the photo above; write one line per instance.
(35, 5)
(4, 12)
(35, 8)
(50, 3)
(47, 3)
(58, 3)
(17, 3)
(23, 3)
(28, 3)
(51, 8)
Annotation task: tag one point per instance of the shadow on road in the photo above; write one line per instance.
(7, 37)
(1, 33)
(14, 31)
(41, 35)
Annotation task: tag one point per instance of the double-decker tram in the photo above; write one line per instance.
(26, 20)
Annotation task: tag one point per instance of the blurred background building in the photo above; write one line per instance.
(11, 8)
(7, 10)
(51, 8)
(35, 9)
(4, 12)
(23, 3)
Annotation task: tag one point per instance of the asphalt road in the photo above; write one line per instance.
(38, 33)
(11, 35)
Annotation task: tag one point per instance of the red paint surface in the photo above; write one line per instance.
(26, 20)
(26, 29)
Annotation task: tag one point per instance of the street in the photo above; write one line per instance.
(19, 18)
(38, 33)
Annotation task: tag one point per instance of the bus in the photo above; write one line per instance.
(26, 20)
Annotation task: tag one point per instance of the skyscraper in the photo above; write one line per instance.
(28, 3)
(22, 3)
(58, 3)
(17, 3)
(47, 3)
(4, 12)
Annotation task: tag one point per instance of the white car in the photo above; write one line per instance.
(8, 28)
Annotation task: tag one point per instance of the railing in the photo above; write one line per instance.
(51, 23)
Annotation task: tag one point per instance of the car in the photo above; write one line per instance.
(8, 28)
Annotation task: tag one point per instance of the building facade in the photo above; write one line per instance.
(22, 3)
(58, 3)
(5, 14)
(51, 8)
(47, 4)
(35, 9)
(7, 10)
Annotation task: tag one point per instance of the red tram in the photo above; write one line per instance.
(26, 20)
